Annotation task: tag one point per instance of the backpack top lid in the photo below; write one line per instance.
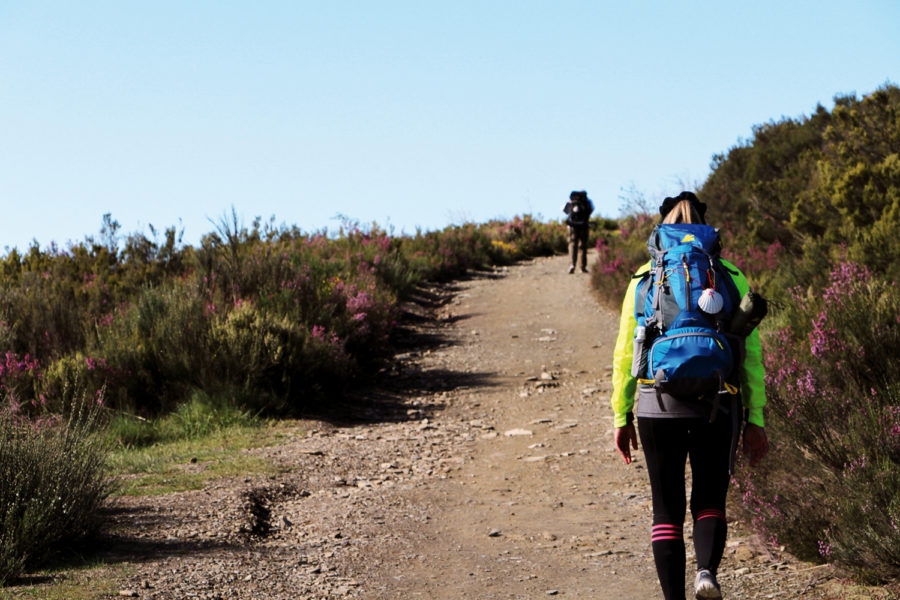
(667, 237)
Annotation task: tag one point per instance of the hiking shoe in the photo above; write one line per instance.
(571, 269)
(706, 587)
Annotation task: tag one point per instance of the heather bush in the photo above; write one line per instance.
(829, 358)
(450, 253)
(180, 342)
(782, 498)
(374, 252)
(268, 316)
(619, 253)
(18, 380)
(52, 484)
(459, 249)
(41, 314)
(71, 372)
(53, 300)
(524, 237)
(813, 207)
(829, 489)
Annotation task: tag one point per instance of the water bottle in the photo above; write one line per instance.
(637, 358)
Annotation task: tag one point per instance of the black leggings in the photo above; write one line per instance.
(578, 241)
(667, 444)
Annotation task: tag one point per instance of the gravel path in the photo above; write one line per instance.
(482, 468)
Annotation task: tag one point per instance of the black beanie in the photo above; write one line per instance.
(669, 203)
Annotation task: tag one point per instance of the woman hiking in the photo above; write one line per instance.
(688, 407)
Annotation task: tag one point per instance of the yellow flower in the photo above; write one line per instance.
(504, 246)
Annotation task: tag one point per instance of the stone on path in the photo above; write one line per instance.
(517, 432)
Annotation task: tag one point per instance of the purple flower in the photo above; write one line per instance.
(824, 340)
(318, 333)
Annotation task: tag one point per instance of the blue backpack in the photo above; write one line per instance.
(680, 348)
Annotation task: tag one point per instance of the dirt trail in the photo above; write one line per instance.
(483, 469)
(539, 504)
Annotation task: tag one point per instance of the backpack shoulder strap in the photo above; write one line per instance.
(641, 288)
(640, 296)
(728, 282)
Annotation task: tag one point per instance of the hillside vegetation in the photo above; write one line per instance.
(810, 211)
(273, 319)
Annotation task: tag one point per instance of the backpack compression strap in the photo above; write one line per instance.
(658, 279)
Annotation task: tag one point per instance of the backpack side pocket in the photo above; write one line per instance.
(639, 358)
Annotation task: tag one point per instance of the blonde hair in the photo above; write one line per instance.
(682, 212)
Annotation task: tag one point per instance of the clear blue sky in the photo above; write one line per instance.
(409, 114)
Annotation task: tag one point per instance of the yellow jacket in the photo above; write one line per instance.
(753, 389)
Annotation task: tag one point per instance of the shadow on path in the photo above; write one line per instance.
(386, 397)
(111, 547)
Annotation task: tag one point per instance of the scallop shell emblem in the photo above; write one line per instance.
(711, 301)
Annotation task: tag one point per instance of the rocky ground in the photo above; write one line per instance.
(483, 467)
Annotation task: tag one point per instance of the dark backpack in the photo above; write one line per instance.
(680, 348)
(578, 210)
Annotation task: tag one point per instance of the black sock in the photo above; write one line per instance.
(710, 531)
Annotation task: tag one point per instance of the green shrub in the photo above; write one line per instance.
(71, 372)
(527, 237)
(803, 192)
(52, 484)
(41, 315)
(156, 350)
(273, 363)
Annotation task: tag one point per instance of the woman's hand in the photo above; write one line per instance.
(756, 443)
(626, 439)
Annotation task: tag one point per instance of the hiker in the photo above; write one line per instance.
(688, 406)
(578, 217)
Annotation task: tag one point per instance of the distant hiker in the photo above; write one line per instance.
(688, 346)
(578, 217)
